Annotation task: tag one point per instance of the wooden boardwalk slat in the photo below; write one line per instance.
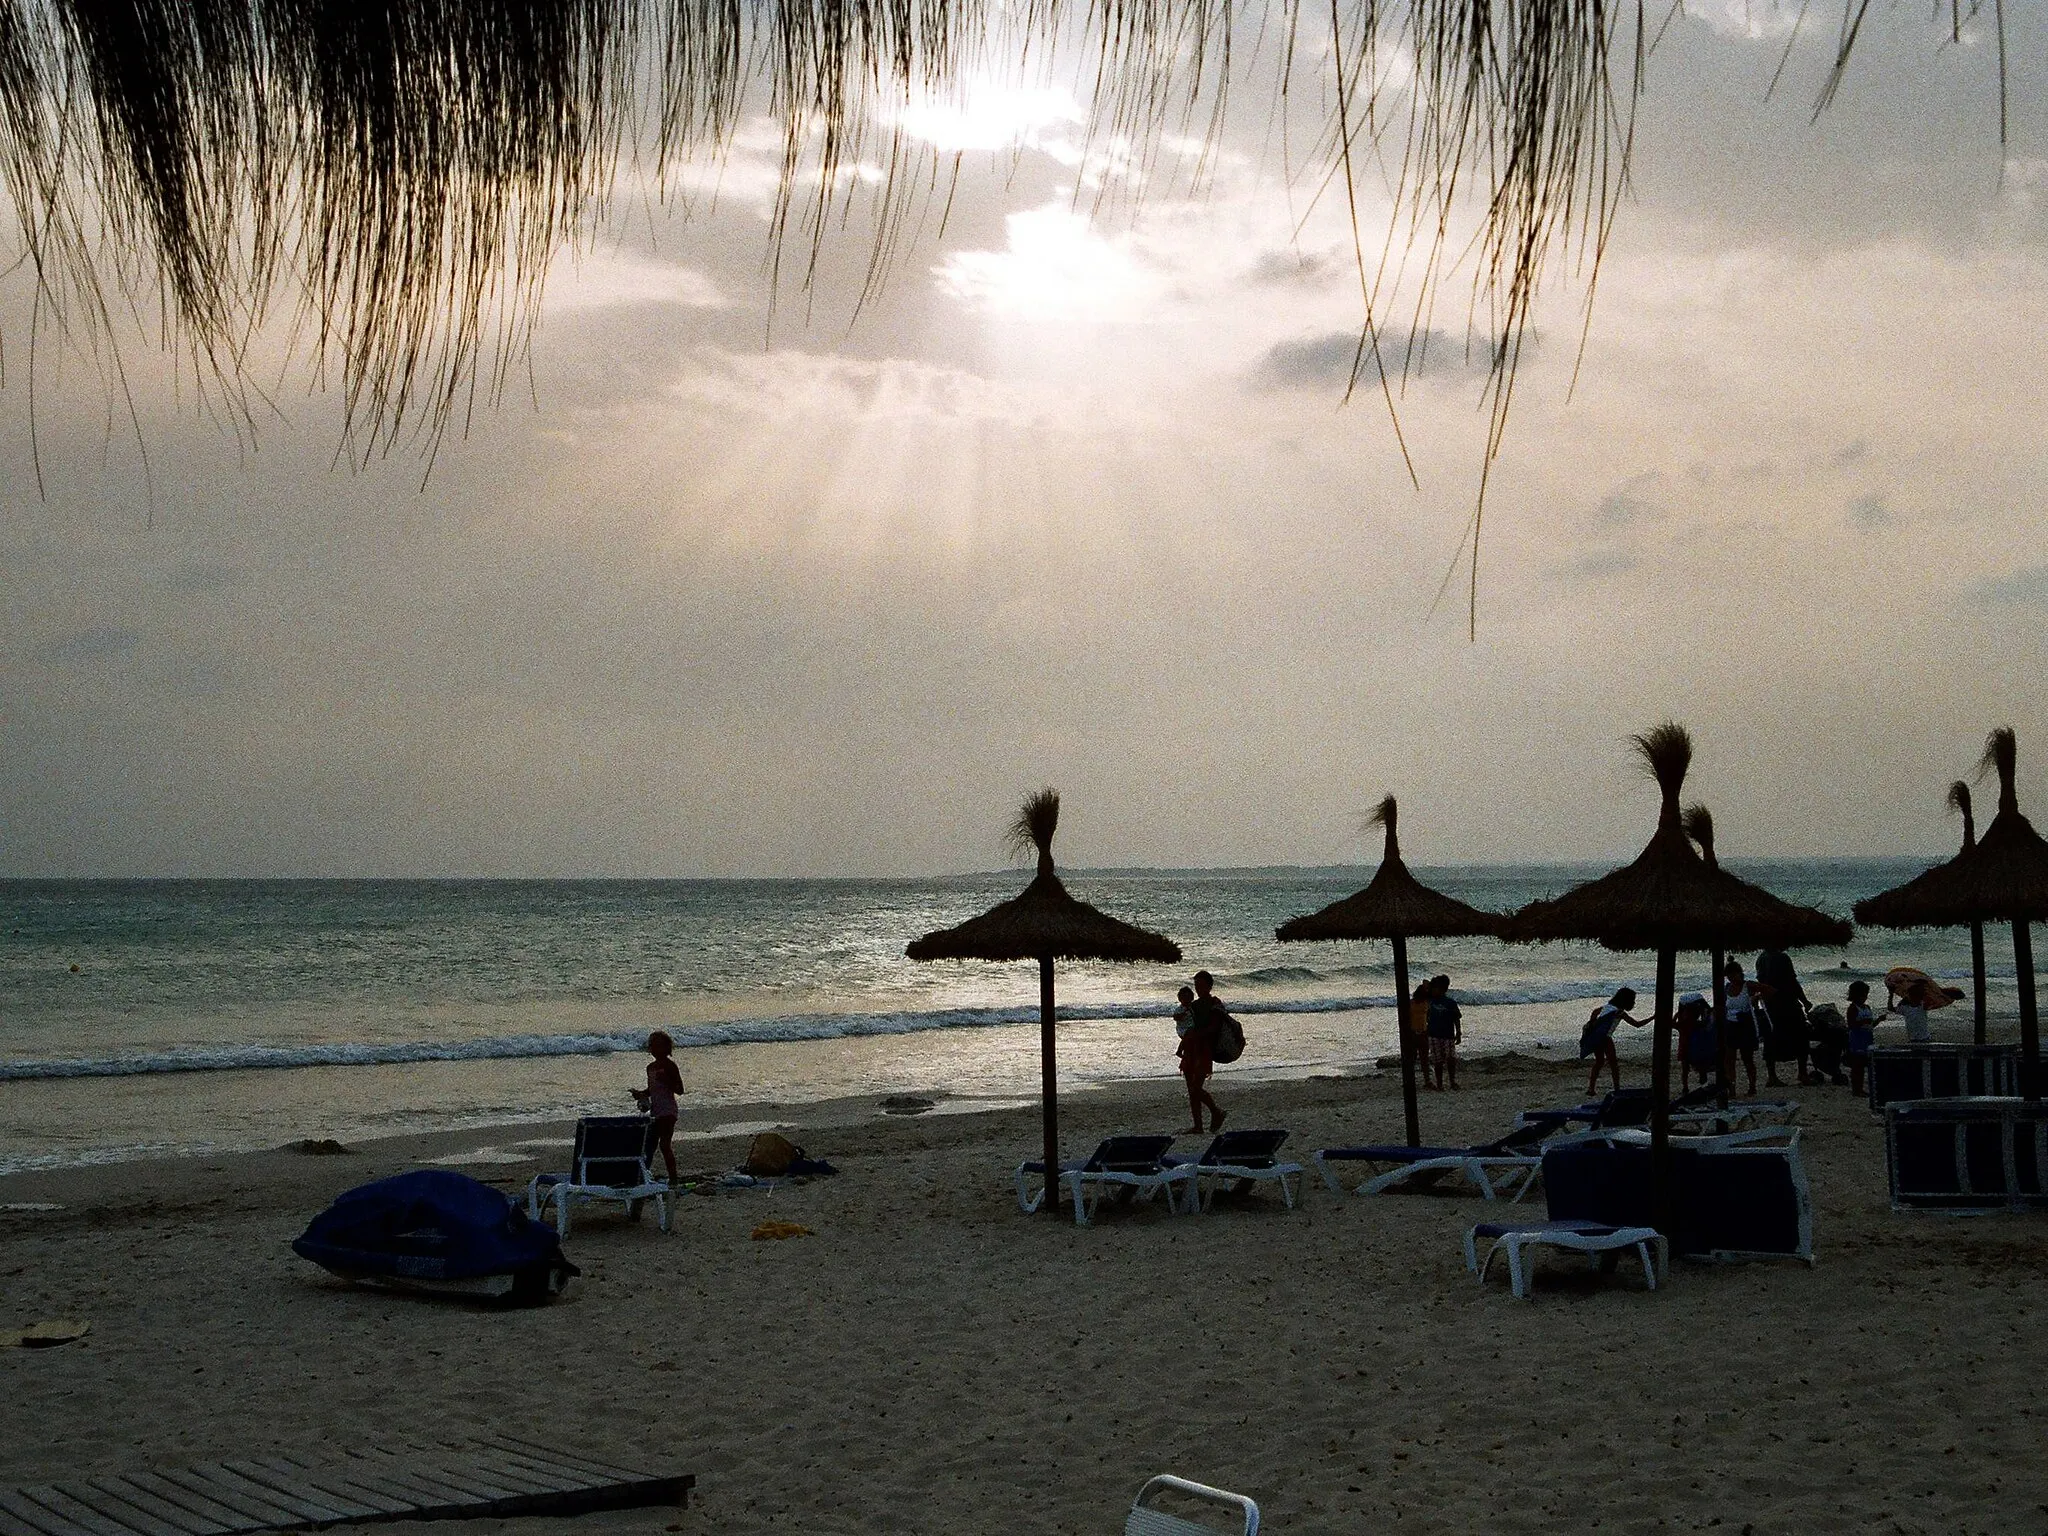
(261, 1514)
(429, 1496)
(303, 1510)
(574, 1461)
(32, 1514)
(500, 1477)
(538, 1464)
(333, 1480)
(128, 1514)
(61, 1503)
(555, 1479)
(291, 1486)
(184, 1498)
(169, 1513)
(466, 1481)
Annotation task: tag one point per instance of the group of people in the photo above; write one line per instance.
(1771, 1013)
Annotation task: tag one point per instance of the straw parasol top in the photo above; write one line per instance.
(1672, 897)
(1393, 905)
(2001, 877)
(1044, 922)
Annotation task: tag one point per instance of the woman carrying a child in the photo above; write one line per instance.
(1196, 1023)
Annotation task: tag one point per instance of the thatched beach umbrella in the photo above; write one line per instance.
(2002, 878)
(1045, 924)
(1959, 802)
(1397, 907)
(1670, 899)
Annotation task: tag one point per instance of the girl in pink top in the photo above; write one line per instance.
(658, 1098)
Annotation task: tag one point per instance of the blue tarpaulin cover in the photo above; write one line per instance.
(431, 1224)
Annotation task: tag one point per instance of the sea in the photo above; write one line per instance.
(143, 1018)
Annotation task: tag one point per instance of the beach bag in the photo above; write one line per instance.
(770, 1155)
(1229, 1042)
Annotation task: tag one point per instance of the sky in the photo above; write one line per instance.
(741, 579)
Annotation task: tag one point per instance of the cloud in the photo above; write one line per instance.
(2027, 587)
(1597, 565)
(1291, 267)
(1870, 512)
(82, 648)
(1630, 503)
(1327, 360)
(621, 279)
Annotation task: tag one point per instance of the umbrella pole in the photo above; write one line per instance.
(1720, 1028)
(1407, 1039)
(2030, 1024)
(1661, 1203)
(1049, 1086)
(1977, 974)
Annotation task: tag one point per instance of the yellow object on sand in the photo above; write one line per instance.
(769, 1231)
(43, 1335)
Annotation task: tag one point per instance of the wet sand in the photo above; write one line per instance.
(932, 1360)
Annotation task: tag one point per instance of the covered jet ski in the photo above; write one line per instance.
(434, 1229)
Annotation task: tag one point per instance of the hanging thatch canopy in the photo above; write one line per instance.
(1045, 924)
(1397, 907)
(397, 171)
(2002, 878)
(1671, 897)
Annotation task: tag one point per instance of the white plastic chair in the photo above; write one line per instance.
(1147, 1520)
(609, 1163)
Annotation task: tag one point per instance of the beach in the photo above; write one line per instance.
(930, 1359)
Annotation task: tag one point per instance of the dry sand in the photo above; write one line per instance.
(931, 1360)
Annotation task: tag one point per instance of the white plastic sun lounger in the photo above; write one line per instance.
(609, 1163)
(1495, 1170)
(1595, 1239)
(1128, 1165)
(1237, 1160)
(1147, 1519)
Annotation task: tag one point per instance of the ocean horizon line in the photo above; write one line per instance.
(1596, 864)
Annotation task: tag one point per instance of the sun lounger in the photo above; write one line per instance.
(1624, 1106)
(1709, 1119)
(1237, 1160)
(609, 1163)
(1148, 1519)
(1743, 1194)
(1131, 1166)
(1937, 1070)
(1508, 1166)
(1974, 1154)
(1596, 1239)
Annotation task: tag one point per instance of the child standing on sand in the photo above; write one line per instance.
(1446, 1026)
(1862, 1033)
(1597, 1039)
(658, 1098)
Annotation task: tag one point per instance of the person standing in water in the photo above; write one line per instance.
(658, 1098)
(1200, 1010)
